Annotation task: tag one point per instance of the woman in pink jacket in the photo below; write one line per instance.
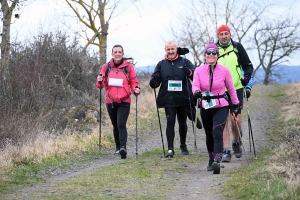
(120, 81)
(209, 84)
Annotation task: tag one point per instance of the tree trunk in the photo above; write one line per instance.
(5, 42)
(267, 77)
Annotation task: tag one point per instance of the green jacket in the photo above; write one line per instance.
(235, 57)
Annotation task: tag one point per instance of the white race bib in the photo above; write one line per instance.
(208, 103)
(115, 82)
(174, 85)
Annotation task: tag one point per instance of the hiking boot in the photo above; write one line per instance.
(236, 147)
(216, 167)
(198, 124)
(184, 149)
(123, 153)
(226, 156)
(170, 154)
(209, 166)
(117, 151)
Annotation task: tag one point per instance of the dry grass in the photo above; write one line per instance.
(287, 156)
(44, 145)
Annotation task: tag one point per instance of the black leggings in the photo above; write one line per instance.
(181, 113)
(118, 113)
(214, 121)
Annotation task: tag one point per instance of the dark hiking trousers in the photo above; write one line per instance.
(118, 113)
(214, 121)
(181, 112)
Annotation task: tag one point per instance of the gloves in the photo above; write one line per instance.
(186, 71)
(245, 80)
(235, 109)
(248, 92)
(197, 94)
(137, 93)
(153, 83)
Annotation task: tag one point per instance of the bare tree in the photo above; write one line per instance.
(199, 23)
(92, 15)
(7, 8)
(276, 40)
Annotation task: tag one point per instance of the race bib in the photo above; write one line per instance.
(115, 82)
(208, 103)
(174, 85)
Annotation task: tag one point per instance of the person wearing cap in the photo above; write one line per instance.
(209, 83)
(173, 75)
(233, 56)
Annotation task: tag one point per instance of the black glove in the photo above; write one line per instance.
(153, 83)
(245, 80)
(235, 109)
(248, 92)
(197, 94)
(186, 71)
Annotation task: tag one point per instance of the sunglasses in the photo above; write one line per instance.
(208, 52)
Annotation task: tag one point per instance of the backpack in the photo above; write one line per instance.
(124, 70)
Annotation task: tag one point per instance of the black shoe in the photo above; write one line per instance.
(209, 166)
(198, 124)
(170, 154)
(226, 156)
(123, 153)
(216, 167)
(236, 147)
(184, 149)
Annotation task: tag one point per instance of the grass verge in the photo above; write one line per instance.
(271, 176)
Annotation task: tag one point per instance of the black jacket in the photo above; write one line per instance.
(167, 70)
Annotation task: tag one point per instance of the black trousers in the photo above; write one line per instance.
(118, 113)
(181, 112)
(214, 121)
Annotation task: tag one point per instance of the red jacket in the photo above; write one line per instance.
(118, 93)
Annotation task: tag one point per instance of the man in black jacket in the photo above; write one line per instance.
(173, 75)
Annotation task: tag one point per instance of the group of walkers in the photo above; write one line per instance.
(217, 87)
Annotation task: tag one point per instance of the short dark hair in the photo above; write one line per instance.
(117, 45)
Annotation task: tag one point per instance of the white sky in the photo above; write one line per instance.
(142, 32)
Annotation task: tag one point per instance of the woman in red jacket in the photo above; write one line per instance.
(119, 78)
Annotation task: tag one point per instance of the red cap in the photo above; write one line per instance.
(223, 28)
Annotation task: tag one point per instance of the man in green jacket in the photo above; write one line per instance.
(233, 55)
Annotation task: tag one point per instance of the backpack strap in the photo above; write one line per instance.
(108, 69)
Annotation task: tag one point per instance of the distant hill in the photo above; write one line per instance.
(289, 74)
(145, 69)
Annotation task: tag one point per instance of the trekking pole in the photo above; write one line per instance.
(136, 126)
(250, 126)
(162, 140)
(187, 87)
(239, 131)
(100, 115)
(195, 123)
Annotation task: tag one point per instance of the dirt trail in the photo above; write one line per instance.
(196, 182)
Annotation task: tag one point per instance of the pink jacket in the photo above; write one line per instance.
(221, 79)
(118, 93)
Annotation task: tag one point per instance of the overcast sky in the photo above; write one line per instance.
(141, 31)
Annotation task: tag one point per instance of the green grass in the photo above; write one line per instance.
(27, 172)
